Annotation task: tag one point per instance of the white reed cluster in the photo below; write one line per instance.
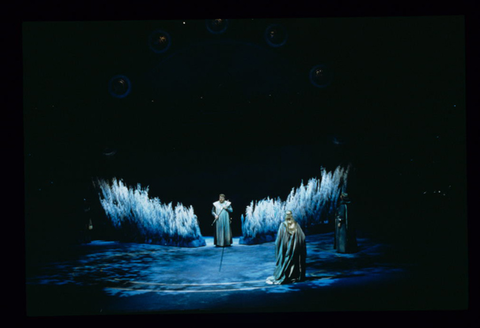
(311, 204)
(132, 209)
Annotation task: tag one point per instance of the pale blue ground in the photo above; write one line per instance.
(179, 275)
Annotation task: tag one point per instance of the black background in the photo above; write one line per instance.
(229, 114)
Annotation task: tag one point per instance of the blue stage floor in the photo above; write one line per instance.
(125, 278)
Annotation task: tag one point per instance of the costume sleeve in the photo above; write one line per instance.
(213, 211)
(229, 209)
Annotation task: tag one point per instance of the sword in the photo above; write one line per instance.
(217, 217)
(228, 204)
(221, 259)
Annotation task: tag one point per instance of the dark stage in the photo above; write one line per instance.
(251, 108)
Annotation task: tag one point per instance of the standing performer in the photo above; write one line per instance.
(223, 231)
(290, 253)
(345, 240)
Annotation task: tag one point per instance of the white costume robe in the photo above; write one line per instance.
(223, 231)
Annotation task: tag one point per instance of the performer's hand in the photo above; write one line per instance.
(216, 217)
(339, 225)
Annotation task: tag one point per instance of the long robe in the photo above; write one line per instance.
(345, 240)
(290, 254)
(223, 231)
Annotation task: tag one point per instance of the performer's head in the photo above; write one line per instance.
(288, 215)
(221, 198)
(344, 197)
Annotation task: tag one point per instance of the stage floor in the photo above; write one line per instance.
(125, 278)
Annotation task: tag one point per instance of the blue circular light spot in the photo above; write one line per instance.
(159, 41)
(119, 86)
(276, 35)
(216, 26)
(321, 76)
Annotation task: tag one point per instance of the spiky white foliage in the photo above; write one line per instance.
(311, 205)
(145, 219)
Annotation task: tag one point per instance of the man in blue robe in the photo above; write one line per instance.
(290, 253)
(223, 231)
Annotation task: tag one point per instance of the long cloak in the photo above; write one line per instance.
(223, 231)
(290, 254)
(345, 240)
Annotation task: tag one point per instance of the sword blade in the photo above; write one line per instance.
(221, 259)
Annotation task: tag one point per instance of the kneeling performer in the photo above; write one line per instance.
(290, 253)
